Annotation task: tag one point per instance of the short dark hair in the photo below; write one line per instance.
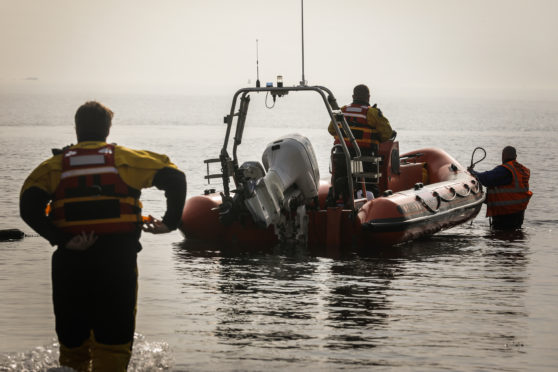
(93, 121)
(509, 153)
(361, 92)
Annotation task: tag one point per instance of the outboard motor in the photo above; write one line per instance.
(291, 183)
(232, 208)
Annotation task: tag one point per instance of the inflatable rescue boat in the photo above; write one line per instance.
(282, 199)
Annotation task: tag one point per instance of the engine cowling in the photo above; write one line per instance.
(292, 174)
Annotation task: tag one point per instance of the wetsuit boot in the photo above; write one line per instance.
(78, 358)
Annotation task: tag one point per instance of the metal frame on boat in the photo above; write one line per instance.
(230, 166)
(422, 192)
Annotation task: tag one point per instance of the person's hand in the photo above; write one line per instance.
(155, 226)
(82, 241)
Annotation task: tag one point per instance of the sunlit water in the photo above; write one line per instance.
(465, 299)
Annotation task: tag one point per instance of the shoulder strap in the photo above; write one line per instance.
(60, 151)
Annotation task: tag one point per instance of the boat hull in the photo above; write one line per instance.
(453, 198)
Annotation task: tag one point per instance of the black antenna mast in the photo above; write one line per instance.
(303, 82)
(257, 66)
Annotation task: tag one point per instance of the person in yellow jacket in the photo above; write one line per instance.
(368, 125)
(85, 201)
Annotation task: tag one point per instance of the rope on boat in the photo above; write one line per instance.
(473, 156)
(468, 188)
(435, 193)
(476, 183)
(441, 199)
(266, 104)
(427, 206)
(454, 194)
(477, 187)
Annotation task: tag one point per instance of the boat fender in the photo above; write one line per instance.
(387, 193)
(453, 167)
(419, 185)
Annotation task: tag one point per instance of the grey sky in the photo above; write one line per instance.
(486, 47)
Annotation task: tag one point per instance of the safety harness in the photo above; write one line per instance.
(365, 135)
(510, 198)
(91, 196)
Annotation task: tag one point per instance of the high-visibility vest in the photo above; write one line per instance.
(367, 137)
(91, 196)
(510, 198)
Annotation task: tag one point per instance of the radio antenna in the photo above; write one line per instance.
(303, 82)
(257, 66)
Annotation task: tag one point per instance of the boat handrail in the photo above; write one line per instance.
(331, 106)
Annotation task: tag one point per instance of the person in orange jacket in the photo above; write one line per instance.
(507, 191)
(85, 201)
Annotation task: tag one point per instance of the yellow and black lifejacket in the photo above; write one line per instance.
(366, 136)
(513, 197)
(91, 196)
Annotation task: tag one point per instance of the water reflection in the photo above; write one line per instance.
(266, 300)
(432, 292)
(357, 303)
(287, 298)
(509, 236)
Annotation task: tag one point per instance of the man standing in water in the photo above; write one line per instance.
(507, 191)
(90, 192)
(368, 125)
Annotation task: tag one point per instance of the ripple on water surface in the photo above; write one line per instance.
(147, 356)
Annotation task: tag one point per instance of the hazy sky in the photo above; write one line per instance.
(486, 47)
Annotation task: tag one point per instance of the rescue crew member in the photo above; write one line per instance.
(91, 192)
(508, 191)
(368, 125)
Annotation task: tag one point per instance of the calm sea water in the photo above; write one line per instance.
(463, 300)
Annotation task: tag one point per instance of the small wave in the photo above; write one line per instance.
(542, 222)
(150, 356)
(147, 356)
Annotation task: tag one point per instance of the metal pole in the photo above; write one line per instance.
(257, 65)
(303, 82)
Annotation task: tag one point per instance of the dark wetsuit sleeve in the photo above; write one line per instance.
(173, 182)
(32, 206)
(498, 176)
